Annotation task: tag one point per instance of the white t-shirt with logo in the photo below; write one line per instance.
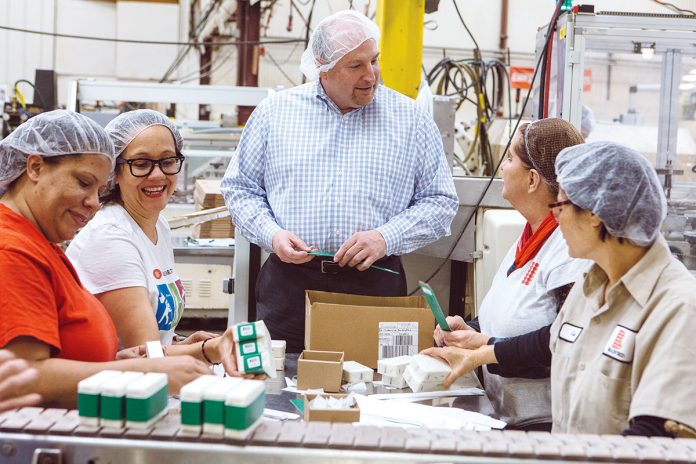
(520, 303)
(113, 252)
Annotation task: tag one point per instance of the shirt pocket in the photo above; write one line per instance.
(615, 391)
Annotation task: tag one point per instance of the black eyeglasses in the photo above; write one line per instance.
(558, 204)
(143, 167)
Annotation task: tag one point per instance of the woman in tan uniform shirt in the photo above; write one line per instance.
(621, 348)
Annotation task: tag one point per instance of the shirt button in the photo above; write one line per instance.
(582, 366)
(338, 232)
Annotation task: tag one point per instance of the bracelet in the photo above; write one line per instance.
(205, 356)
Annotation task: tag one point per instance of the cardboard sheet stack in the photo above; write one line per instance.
(426, 373)
(392, 370)
(119, 399)
(222, 406)
(254, 348)
(206, 195)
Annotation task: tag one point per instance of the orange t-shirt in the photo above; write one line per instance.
(42, 297)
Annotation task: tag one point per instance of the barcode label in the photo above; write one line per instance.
(397, 339)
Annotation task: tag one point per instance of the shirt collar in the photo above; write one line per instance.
(641, 279)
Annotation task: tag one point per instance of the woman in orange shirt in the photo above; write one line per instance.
(52, 169)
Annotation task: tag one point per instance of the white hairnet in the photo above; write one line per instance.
(587, 122)
(55, 133)
(127, 126)
(618, 185)
(333, 38)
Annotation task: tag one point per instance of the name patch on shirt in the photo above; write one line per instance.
(569, 332)
(621, 344)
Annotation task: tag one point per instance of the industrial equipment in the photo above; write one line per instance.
(618, 44)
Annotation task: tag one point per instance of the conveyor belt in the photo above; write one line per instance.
(29, 432)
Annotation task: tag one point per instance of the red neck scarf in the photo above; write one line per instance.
(530, 243)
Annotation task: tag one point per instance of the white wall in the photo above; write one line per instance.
(73, 58)
(23, 53)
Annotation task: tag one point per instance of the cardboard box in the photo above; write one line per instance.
(330, 415)
(351, 323)
(320, 369)
(206, 195)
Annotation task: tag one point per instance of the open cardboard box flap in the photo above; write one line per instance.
(350, 323)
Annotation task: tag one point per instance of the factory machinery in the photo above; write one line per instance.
(55, 436)
(665, 42)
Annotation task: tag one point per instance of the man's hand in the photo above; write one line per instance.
(286, 244)
(361, 250)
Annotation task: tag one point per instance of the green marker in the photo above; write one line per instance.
(434, 306)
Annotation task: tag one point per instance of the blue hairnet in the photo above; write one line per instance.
(55, 133)
(618, 185)
(127, 126)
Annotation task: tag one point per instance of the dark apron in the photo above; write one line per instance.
(280, 291)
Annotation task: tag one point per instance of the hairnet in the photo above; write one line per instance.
(333, 38)
(55, 133)
(618, 185)
(127, 126)
(587, 123)
(543, 140)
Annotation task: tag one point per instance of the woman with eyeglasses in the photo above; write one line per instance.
(125, 255)
(621, 350)
(533, 279)
(52, 168)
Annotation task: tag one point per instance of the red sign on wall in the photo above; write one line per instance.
(521, 77)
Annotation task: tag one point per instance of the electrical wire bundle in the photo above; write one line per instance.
(547, 40)
(481, 83)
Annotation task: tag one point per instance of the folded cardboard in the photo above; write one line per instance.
(350, 323)
(330, 415)
(320, 369)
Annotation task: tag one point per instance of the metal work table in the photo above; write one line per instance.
(278, 399)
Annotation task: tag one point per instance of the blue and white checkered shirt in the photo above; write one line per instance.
(303, 166)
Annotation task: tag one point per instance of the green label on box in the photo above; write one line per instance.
(113, 407)
(88, 405)
(241, 418)
(144, 409)
(191, 413)
(213, 412)
(246, 332)
(253, 364)
(248, 348)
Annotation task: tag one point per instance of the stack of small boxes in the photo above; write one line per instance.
(254, 349)
(278, 351)
(354, 372)
(222, 406)
(426, 373)
(392, 370)
(116, 399)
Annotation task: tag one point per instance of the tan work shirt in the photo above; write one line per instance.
(634, 355)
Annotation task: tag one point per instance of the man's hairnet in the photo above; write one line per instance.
(587, 122)
(127, 126)
(618, 185)
(55, 133)
(333, 38)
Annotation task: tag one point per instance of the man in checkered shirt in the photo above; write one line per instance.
(342, 165)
